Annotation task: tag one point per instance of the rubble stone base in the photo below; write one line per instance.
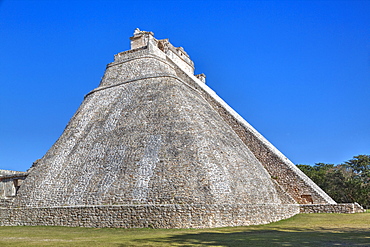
(154, 216)
(347, 208)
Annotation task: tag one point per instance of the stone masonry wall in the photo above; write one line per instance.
(347, 208)
(194, 158)
(10, 181)
(147, 136)
(155, 216)
(193, 172)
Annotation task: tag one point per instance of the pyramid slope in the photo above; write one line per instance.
(153, 146)
(153, 140)
(152, 132)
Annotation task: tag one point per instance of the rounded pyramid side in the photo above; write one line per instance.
(152, 140)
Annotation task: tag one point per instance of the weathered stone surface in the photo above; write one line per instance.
(149, 215)
(160, 143)
(347, 208)
(153, 146)
(10, 182)
(147, 136)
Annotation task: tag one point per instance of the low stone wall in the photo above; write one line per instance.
(155, 216)
(347, 208)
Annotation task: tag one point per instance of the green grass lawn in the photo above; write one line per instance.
(300, 230)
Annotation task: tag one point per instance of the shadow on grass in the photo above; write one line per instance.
(286, 237)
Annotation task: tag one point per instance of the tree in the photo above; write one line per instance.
(360, 166)
(348, 182)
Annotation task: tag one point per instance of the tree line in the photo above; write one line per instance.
(347, 182)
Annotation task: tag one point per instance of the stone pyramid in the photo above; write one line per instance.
(154, 140)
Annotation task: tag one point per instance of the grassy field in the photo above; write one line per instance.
(300, 230)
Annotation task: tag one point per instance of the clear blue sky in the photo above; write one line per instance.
(298, 71)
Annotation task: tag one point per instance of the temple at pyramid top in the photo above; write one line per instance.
(146, 40)
(177, 54)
